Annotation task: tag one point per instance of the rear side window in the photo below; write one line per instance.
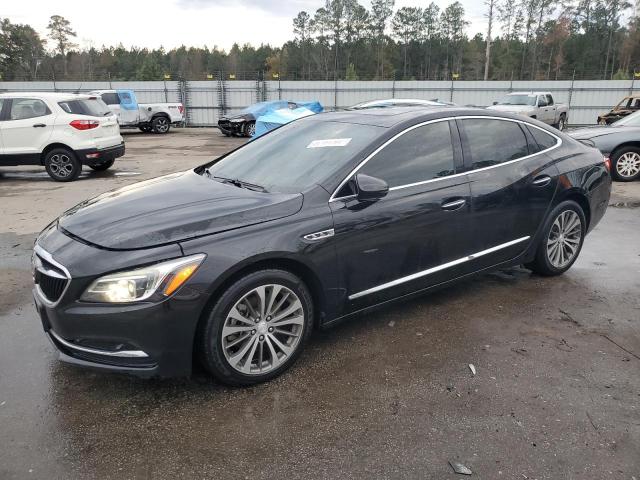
(549, 100)
(421, 154)
(111, 98)
(543, 139)
(24, 108)
(492, 142)
(93, 107)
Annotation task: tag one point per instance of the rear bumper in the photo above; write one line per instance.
(97, 156)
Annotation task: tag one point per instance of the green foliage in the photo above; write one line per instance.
(537, 39)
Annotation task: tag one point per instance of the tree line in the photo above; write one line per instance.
(525, 39)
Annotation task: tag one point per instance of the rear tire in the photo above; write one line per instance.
(562, 123)
(62, 165)
(265, 313)
(160, 125)
(625, 164)
(103, 166)
(561, 241)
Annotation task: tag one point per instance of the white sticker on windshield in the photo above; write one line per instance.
(330, 142)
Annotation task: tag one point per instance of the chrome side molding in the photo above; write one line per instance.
(314, 237)
(95, 351)
(429, 271)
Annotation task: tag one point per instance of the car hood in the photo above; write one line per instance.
(597, 131)
(172, 208)
(511, 108)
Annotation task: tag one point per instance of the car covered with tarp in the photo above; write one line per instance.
(243, 123)
(277, 118)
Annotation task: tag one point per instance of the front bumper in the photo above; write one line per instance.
(98, 156)
(231, 128)
(145, 339)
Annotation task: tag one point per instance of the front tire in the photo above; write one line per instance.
(561, 242)
(250, 129)
(160, 125)
(562, 123)
(257, 328)
(62, 165)
(102, 166)
(625, 164)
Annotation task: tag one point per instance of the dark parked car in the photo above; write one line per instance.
(329, 216)
(627, 106)
(243, 124)
(619, 141)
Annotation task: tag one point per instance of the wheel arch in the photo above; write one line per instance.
(631, 143)
(581, 199)
(283, 262)
(51, 146)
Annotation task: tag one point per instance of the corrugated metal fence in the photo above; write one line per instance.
(207, 100)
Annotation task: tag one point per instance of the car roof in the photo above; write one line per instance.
(45, 95)
(395, 116)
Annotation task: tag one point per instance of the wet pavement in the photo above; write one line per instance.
(389, 395)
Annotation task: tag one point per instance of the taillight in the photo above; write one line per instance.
(84, 124)
(607, 163)
(181, 108)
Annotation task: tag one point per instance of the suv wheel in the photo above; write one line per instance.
(160, 125)
(62, 165)
(561, 241)
(257, 329)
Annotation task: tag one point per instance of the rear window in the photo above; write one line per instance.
(111, 98)
(93, 107)
(543, 139)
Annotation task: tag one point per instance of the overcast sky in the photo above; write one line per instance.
(172, 23)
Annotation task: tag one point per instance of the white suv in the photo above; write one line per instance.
(61, 131)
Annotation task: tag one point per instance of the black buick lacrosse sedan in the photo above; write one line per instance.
(235, 263)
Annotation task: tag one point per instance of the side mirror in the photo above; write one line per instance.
(369, 188)
(495, 103)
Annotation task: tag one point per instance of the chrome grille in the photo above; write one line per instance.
(50, 277)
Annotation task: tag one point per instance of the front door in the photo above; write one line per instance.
(512, 181)
(406, 240)
(129, 111)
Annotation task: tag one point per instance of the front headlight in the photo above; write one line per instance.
(137, 285)
(237, 120)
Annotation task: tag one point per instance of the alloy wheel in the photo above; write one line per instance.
(61, 165)
(263, 329)
(562, 125)
(564, 239)
(162, 125)
(628, 164)
(251, 129)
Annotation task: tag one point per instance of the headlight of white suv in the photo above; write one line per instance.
(137, 285)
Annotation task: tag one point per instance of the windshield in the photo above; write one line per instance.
(295, 156)
(632, 120)
(518, 100)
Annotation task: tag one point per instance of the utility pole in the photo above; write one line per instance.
(491, 4)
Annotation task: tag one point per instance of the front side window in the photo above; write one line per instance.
(492, 142)
(421, 154)
(542, 101)
(24, 108)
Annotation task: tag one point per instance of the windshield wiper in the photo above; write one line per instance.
(237, 183)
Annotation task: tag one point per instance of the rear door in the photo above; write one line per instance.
(405, 241)
(28, 126)
(107, 134)
(513, 182)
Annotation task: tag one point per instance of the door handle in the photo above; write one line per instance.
(453, 204)
(542, 181)
(39, 125)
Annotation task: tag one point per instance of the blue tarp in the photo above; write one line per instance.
(315, 106)
(262, 108)
(280, 117)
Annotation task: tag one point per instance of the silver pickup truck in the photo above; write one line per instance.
(148, 117)
(538, 105)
